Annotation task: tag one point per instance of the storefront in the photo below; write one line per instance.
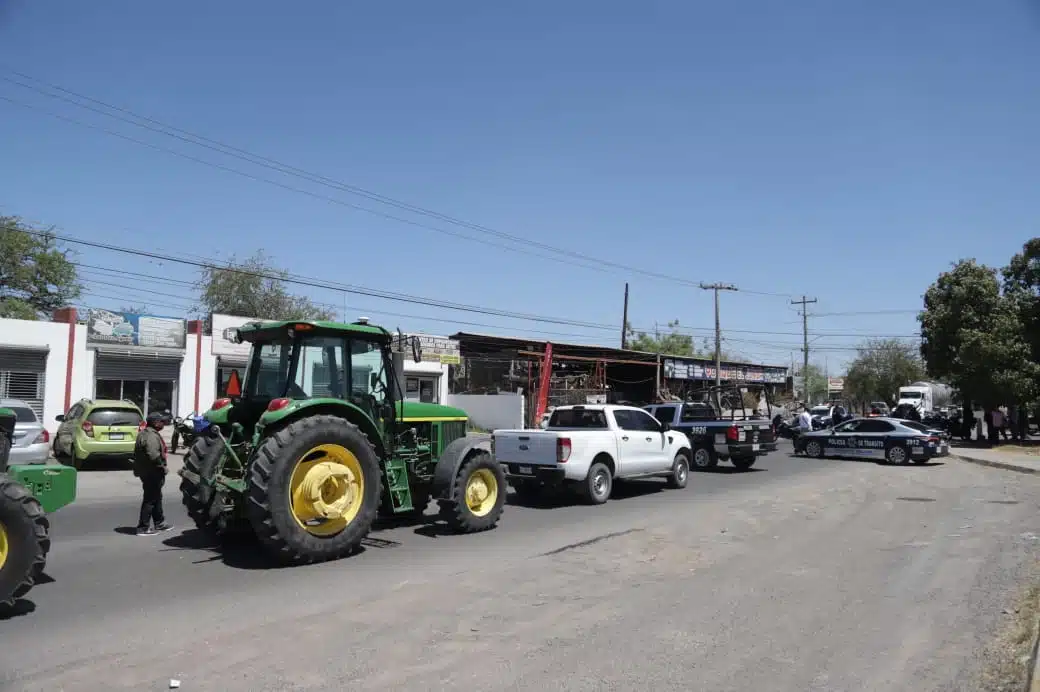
(23, 375)
(230, 357)
(428, 381)
(137, 358)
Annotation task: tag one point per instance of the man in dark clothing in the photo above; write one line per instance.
(150, 467)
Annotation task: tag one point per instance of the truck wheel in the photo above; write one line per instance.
(24, 540)
(200, 459)
(479, 495)
(598, 484)
(704, 458)
(680, 474)
(744, 463)
(314, 489)
(814, 449)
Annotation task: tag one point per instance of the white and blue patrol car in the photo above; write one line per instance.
(887, 440)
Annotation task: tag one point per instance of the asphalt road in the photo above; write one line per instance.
(804, 575)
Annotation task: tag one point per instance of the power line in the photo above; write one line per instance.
(188, 137)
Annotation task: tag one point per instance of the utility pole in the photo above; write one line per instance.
(805, 347)
(624, 322)
(716, 287)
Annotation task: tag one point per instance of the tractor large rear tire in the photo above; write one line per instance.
(24, 540)
(317, 445)
(479, 495)
(198, 499)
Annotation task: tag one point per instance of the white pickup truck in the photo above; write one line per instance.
(589, 447)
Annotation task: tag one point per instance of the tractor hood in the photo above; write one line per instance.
(408, 411)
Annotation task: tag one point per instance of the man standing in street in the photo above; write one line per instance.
(150, 467)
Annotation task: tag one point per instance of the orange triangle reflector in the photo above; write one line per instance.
(234, 387)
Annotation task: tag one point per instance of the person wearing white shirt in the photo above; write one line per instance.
(804, 421)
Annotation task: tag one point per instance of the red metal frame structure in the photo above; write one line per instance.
(543, 385)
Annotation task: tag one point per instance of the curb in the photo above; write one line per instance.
(999, 465)
(1033, 679)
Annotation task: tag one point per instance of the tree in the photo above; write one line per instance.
(815, 386)
(973, 335)
(672, 343)
(254, 287)
(880, 368)
(1022, 288)
(36, 275)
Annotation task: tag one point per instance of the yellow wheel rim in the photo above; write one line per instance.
(326, 490)
(3, 545)
(481, 492)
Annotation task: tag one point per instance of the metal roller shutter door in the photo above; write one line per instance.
(23, 375)
(110, 367)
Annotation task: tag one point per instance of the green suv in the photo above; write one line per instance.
(95, 430)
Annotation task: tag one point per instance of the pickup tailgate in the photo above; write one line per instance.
(526, 447)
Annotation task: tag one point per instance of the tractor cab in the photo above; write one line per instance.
(292, 364)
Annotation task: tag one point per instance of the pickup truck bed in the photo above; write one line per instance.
(738, 441)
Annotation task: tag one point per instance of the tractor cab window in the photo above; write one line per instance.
(368, 374)
(319, 369)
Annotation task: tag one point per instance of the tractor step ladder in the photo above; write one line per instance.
(397, 485)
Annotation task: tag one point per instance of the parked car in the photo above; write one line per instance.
(886, 440)
(588, 447)
(738, 439)
(31, 443)
(103, 429)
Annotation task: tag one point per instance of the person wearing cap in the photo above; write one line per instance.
(150, 467)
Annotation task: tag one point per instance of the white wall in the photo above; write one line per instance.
(429, 368)
(207, 377)
(491, 411)
(54, 336)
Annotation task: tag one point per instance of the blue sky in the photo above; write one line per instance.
(848, 150)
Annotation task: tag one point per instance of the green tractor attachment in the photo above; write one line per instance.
(319, 442)
(27, 493)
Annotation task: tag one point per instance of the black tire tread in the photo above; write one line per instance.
(266, 460)
(24, 569)
(191, 493)
(456, 513)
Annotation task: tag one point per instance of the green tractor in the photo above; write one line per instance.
(27, 493)
(318, 443)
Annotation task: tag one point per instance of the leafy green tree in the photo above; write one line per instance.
(254, 287)
(672, 342)
(1022, 287)
(880, 368)
(815, 383)
(36, 275)
(973, 336)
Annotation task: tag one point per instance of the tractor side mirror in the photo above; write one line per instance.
(416, 349)
(60, 418)
(373, 381)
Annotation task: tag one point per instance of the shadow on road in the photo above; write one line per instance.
(857, 460)
(553, 498)
(22, 606)
(729, 470)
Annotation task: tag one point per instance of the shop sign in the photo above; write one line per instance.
(835, 384)
(223, 327)
(128, 329)
(435, 349)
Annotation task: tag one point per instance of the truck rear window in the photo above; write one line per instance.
(696, 412)
(578, 418)
(115, 416)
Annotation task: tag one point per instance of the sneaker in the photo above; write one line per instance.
(146, 532)
(159, 528)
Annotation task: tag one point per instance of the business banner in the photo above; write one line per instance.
(222, 327)
(127, 329)
(684, 370)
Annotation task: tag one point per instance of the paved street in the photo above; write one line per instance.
(804, 575)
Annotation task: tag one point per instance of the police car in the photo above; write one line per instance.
(886, 440)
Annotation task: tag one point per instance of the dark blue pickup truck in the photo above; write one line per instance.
(740, 438)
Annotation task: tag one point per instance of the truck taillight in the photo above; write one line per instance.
(44, 436)
(88, 428)
(563, 449)
(732, 433)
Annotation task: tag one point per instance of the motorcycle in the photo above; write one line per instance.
(186, 430)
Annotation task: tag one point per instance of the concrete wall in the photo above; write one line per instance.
(55, 337)
(207, 377)
(491, 411)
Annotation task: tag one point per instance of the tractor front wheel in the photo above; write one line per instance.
(478, 497)
(314, 490)
(24, 540)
